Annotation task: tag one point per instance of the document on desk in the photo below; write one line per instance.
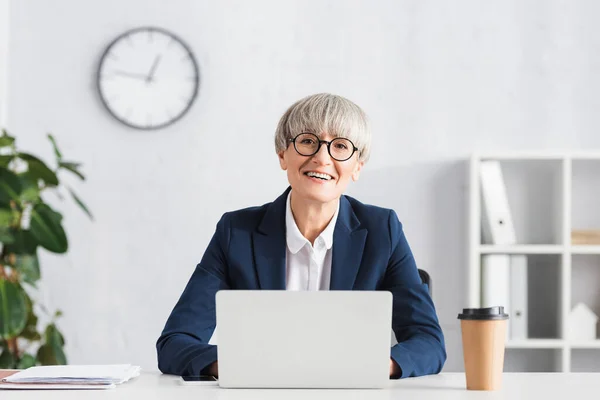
(71, 377)
(53, 386)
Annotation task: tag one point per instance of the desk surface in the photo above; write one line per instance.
(447, 386)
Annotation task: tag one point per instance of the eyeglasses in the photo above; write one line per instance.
(308, 144)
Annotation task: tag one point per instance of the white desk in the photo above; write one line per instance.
(150, 386)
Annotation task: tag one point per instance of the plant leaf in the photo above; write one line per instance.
(5, 159)
(30, 191)
(52, 353)
(46, 228)
(6, 236)
(49, 355)
(30, 332)
(8, 217)
(10, 187)
(6, 140)
(70, 166)
(39, 170)
(80, 203)
(31, 335)
(7, 360)
(56, 151)
(24, 243)
(13, 309)
(53, 336)
(26, 361)
(28, 266)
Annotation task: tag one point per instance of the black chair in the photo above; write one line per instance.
(426, 279)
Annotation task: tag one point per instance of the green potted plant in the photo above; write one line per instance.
(28, 223)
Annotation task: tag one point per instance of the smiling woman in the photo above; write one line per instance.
(320, 174)
(314, 238)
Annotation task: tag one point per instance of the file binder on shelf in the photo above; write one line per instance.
(497, 223)
(518, 297)
(495, 281)
(504, 276)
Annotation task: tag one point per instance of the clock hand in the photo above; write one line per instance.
(150, 76)
(130, 74)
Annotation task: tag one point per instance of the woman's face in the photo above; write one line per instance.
(333, 176)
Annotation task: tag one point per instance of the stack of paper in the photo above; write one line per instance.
(71, 377)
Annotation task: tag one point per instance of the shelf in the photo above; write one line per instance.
(535, 344)
(540, 155)
(537, 249)
(550, 194)
(521, 249)
(521, 156)
(534, 360)
(585, 249)
(585, 359)
(595, 344)
(550, 344)
(584, 155)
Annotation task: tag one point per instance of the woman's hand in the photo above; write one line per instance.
(213, 369)
(395, 370)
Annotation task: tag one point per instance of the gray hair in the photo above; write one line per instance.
(325, 113)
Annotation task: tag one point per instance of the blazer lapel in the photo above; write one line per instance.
(348, 246)
(269, 246)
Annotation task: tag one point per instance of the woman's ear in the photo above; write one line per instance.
(282, 162)
(356, 172)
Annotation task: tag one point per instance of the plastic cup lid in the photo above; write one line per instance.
(483, 314)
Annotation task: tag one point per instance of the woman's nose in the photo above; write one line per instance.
(322, 154)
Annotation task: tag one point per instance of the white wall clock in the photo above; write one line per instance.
(148, 78)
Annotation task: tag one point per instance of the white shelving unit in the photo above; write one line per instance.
(542, 188)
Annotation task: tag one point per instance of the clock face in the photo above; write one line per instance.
(148, 78)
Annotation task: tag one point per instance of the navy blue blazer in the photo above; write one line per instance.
(248, 251)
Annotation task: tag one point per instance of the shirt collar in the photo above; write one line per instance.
(295, 239)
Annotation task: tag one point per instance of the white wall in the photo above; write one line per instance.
(439, 80)
(4, 40)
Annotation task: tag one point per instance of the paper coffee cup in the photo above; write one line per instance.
(483, 338)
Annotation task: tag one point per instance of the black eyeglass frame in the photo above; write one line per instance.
(321, 142)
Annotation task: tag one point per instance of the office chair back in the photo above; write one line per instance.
(426, 279)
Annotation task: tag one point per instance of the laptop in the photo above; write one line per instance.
(301, 339)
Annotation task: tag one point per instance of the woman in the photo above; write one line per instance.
(312, 237)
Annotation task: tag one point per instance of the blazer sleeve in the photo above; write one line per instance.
(183, 347)
(421, 349)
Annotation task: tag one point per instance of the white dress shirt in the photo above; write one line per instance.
(307, 267)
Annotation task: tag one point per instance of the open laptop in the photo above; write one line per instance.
(289, 339)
